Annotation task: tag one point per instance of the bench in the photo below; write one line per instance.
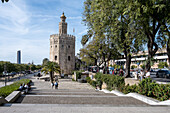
(13, 96)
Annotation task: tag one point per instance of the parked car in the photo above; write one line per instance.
(92, 69)
(163, 73)
(13, 73)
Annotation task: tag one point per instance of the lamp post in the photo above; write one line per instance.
(5, 73)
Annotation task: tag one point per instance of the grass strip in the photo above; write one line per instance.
(6, 90)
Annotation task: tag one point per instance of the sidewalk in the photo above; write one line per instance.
(74, 97)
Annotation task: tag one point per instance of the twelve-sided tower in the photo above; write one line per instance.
(62, 48)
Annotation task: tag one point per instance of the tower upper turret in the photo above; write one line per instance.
(63, 17)
(63, 25)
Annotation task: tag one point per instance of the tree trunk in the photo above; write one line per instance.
(95, 62)
(168, 51)
(51, 76)
(128, 62)
(148, 63)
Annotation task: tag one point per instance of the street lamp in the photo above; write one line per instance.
(5, 73)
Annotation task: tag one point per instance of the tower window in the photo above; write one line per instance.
(55, 46)
(62, 46)
(68, 58)
(68, 46)
(55, 57)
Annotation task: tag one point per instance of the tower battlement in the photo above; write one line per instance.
(65, 36)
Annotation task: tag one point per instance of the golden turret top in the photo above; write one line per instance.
(63, 16)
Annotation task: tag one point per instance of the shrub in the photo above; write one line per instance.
(88, 79)
(162, 65)
(6, 90)
(98, 78)
(113, 82)
(78, 74)
(133, 67)
(145, 87)
(93, 83)
(161, 92)
(151, 89)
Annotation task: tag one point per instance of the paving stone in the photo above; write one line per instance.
(106, 100)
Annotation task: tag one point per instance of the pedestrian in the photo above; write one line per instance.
(56, 85)
(20, 87)
(113, 72)
(97, 88)
(121, 72)
(147, 74)
(136, 74)
(52, 84)
(26, 88)
(23, 85)
(141, 75)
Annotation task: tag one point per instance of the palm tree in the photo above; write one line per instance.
(51, 67)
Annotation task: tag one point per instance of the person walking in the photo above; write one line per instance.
(141, 75)
(147, 74)
(56, 85)
(121, 72)
(52, 84)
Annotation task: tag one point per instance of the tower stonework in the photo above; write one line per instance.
(62, 48)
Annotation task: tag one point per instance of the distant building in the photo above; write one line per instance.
(141, 57)
(62, 48)
(19, 57)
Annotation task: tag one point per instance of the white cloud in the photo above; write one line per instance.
(27, 26)
(77, 17)
(15, 17)
(83, 32)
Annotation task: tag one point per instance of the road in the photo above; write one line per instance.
(160, 80)
(2, 83)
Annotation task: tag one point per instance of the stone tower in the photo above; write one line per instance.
(62, 48)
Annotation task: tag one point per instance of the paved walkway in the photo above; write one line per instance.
(70, 92)
(74, 97)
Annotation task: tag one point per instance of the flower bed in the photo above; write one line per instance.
(146, 87)
(6, 90)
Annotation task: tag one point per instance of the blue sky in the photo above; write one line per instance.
(26, 25)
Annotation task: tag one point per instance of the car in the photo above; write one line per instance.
(12, 74)
(93, 69)
(163, 73)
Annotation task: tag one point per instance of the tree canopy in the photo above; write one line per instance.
(12, 67)
(4, 1)
(128, 25)
(51, 67)
(152, 17)
(106, 17)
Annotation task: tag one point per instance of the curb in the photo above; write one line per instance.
(140, 97)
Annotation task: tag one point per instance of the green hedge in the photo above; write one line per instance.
(146, 87)
(99, 80)
(6, 90)
(113, 82)
(149, 88)
(91, 82)
(78, 74)
(152, 89)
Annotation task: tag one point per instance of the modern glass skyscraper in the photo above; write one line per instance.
(19, 57)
